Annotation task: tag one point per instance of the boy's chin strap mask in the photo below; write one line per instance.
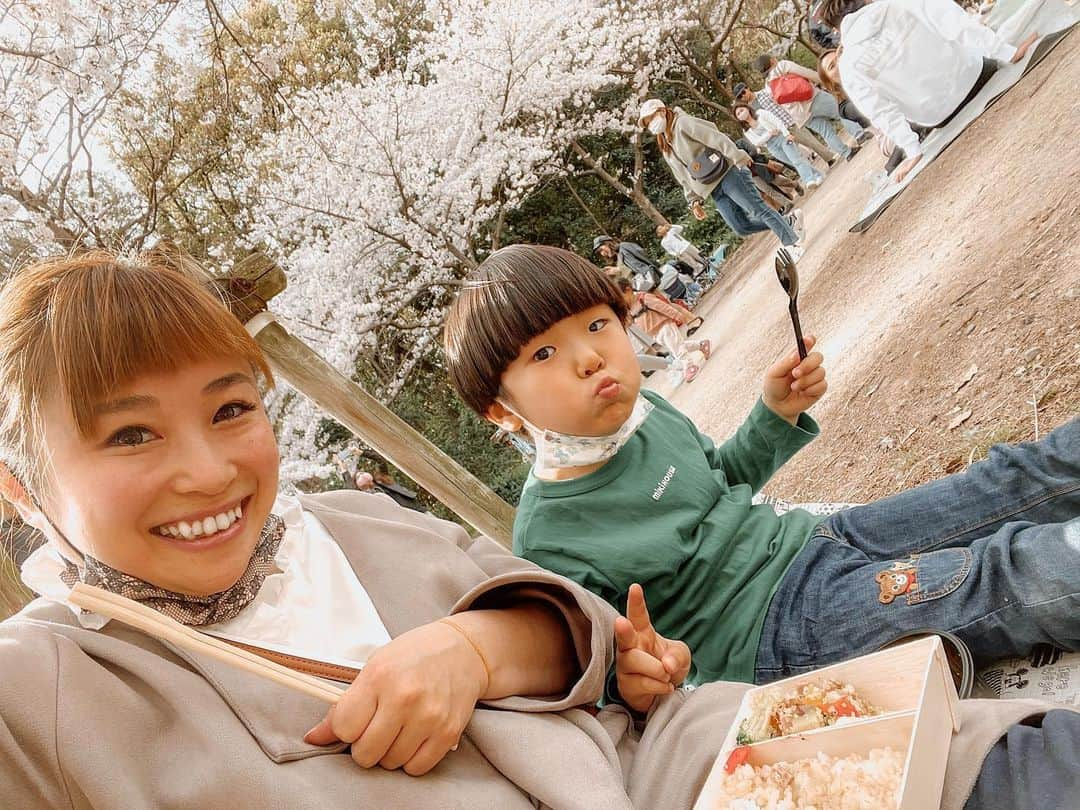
(560, 450)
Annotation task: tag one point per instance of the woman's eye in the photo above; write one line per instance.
(543, 353)
(598, 324)
(131, 437)
(234, 410)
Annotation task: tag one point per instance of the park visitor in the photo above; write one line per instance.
(663, 321)
(626, 490)
(810, 106)
(764, 129)
(763, 100)
(684, 139)
(905, 62)
(680, 248)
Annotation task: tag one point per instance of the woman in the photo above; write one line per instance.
(681, 138)
(765, 129)
(129, 416)
(133, 436)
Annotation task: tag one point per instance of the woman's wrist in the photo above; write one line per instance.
(526, 649)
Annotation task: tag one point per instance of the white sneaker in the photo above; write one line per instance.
(815, 183)
(795, 219)
(796, 251)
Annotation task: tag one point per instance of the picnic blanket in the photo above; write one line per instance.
(1054, 19)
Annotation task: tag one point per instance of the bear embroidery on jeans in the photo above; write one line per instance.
(896, 581)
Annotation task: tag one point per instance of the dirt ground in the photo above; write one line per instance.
(952, 324)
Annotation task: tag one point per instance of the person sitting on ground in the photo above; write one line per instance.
(763, 100)
(663, 322)
(763, 129)
(681, 248)
(630, 256)
(682, 138)
(625, 489)
(134, 438)
(819, 112)
(905, 62)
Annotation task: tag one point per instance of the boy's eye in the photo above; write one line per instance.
(543, 353)
(131, 436)
(234, 410)
(598, 324)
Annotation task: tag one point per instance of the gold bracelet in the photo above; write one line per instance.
(476, 647)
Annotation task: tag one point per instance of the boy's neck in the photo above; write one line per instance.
(570, 473)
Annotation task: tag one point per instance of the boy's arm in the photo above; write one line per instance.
(761, 446)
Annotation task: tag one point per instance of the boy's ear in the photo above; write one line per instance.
(499, 414)
(15, 493)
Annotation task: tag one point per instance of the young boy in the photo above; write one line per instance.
(626, 490)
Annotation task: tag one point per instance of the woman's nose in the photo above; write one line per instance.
(204, 466)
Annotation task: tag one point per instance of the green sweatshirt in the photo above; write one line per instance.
(672, 511)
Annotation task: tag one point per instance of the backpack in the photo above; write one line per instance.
(789, 88)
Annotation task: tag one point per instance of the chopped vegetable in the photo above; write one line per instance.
(737, 757)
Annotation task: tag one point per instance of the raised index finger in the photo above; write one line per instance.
(636, 610)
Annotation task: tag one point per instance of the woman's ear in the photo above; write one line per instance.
(15, 493)
(499, 414)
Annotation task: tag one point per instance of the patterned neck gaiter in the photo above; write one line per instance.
(194, 611)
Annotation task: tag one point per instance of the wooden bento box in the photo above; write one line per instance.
(909, 684)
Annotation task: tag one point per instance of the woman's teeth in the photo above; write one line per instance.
(201, 528)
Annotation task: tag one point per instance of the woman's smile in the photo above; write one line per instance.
(206, 529)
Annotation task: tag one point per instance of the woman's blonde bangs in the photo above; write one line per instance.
(91, 324)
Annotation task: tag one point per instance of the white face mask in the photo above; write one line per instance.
(560, 450)
(658, 124)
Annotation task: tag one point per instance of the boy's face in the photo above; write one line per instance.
(580, 377)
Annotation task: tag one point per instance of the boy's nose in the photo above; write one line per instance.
(590, 362)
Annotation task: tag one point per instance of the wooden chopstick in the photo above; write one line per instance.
(149, 621)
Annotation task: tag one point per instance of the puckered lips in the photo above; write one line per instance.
(608, 388)
(208, 528)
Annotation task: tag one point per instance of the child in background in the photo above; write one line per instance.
(661, 320)
(626, 490)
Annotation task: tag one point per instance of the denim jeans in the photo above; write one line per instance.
(740, 204)
(790, 153)
(991, 554)
(824, 111)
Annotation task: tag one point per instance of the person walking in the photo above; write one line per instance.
(907, 62)
(764, 129)
(691, 147)
(763, 100)
(808, 104)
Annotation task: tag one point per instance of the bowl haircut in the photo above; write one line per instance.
(517, 293)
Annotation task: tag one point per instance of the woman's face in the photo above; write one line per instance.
(743, 115)
(156, 488)
(829, 68)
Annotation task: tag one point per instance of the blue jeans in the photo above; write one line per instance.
(740, 204)
(824, 111)
(790, 153)
(991, 554)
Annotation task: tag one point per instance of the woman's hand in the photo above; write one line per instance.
(410, 703)
(1022, 48)
(904, 169)
(698, 210)
(647, 665)
(791, 386)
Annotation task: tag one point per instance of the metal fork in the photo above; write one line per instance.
(789, 280)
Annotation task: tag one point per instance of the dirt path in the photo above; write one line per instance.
(946, 327)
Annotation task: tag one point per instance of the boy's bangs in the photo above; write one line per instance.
(111, 323)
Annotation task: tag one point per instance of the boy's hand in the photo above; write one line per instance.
(647, 664)
(792, 387)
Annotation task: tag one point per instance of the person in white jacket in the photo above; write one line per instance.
(763, 129)
(820, 113)
(917, 61)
